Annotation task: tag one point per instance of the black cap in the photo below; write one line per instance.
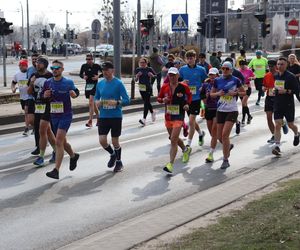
(43, 60)
(272, 62)
(107, 65)
(202, 55)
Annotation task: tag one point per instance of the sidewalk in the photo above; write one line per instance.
(129, 234)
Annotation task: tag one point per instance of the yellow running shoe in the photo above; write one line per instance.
(209, 158)
(186, 154)
(169, 167)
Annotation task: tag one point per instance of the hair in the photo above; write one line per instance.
(58, 62)
(89, 55)
(296, 60)
(243, 52)
(202, 55)
(143, 59)
(214, 54)
(282, 59)
(228, 59)
(179, 59)
(243, 62)
(190, 53)
(155, 50)
(35, 55)
(171, 56)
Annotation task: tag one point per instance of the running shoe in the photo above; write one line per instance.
(39, 161)
(285, 128)
(271, 140)
(249, 119)
(231, 147)
(185, 130)
(26, 132)
(112, 160)
(52, 159)
(225, 164)
(257, 103)
(73, 162)
(119, 166)
(243, 121)
(153, 116)
(186, 154)
(296, 140)
(209, 158)
(143, 122)
(276, 151)
(53, 174)
(36, 151)
(201, 138)
(237, 127)
(169, 168)
(89, 124)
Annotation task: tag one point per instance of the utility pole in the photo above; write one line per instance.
(117, 38)
(186, 33)
(28, 42)
(133, 57)
(138, 40)
(67, 32)
(23, 26)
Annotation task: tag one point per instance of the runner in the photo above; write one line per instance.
(294, 67)
(194, 76)
(210, 111)
(90, 72)
(226, 87)
(248, 76)
(241, 57)
(259, 65)
(286, 85)
(202, 62)
(110, 95)
(20, 81)
(169, 64)
(58, 91)
(176, 97)
(143, 75)
(268, 87)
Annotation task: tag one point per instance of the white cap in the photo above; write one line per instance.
(213, 71)
(173, 70)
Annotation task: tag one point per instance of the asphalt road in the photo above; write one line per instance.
(41, 213)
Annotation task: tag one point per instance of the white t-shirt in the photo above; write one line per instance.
(21, 79)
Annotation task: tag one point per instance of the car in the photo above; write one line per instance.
(73, 48)
(104, 50)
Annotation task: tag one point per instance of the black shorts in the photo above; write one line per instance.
(194, 108)
(90, 91)
(248, 91)
(210, 114)
(31, 107)
(269, 104)
(46, 116)
(223, 117)
(107, 124)
(288, 113)
(23, 103)
(258, 82)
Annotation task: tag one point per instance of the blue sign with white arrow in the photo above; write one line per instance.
(180, 22)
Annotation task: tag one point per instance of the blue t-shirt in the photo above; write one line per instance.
(227, 103)
(60, 101)
(30, 71)
(196, 77)
(111, 90)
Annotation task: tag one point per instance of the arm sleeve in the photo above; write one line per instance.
(81, 71)
(250, 63)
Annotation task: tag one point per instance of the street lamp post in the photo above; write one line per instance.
(138, 37)
(67, 31)
(22, 25)
(28, 42)
(117, 37)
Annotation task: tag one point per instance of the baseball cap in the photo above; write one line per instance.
(107, 65)
(43, 60)
(173, 70)
(258, 52)
(23, 63)
(227, 64)
(213, 71)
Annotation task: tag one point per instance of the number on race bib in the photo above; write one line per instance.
(40, 108)
(57, 107)
(279, 84)
(173, 109)
(89, 86)
(142, 87)
(106, 104)
(193, 89)
(226, 98)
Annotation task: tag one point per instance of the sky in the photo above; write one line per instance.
(54, 11)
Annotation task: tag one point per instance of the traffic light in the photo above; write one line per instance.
(5, 27)
(44, 33)
(65, 36)
(202, 28)
(238, 15)
(287, 12)
(265, 29)
(48, 34)
(72, 34)
(216, 26)
(261, 17)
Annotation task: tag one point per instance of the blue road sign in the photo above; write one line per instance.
(180, 22)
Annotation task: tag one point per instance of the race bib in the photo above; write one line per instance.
(107, 105)
(270, 92)
(259, 67)
(23, 83)
(89, 86)
(40, 108)
(226, 98)
(193, 89)
(142, 87)
(173, 109)
(57, 107)
(279, 84)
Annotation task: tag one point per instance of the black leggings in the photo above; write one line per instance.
(37, 119)
(147, 105)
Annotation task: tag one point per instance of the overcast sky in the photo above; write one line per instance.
(83, 12)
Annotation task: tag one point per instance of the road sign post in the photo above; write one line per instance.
(96, 27)
(293, 28)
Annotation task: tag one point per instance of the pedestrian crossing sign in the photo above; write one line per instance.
(180, 22)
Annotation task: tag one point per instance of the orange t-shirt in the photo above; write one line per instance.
(268, 83)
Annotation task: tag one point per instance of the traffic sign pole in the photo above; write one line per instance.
(293, 28)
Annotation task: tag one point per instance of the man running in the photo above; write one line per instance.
(194, 75)
(58, 91)
(90, 72)
(109, 98)
(227, 88)
(176, 97)
(286, 85)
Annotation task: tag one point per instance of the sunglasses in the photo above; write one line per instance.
(88, 59)
(55, 67)
(225, 68)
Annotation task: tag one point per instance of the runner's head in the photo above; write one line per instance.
(281, 64)
(190, 57)
(108, 70)
(143, 62)
(202, 57)
(213, 73)
(178, 63)
(23, 65)
(243, 64)
(293, 59)
(171, 58)
(258, 54)
(89, 59)
(57, 68)
(42, 63)
(173, 74)
(226, 68)
(34, 58)
(272, 65)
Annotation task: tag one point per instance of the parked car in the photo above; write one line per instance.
(73, 48)
(104, 50)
